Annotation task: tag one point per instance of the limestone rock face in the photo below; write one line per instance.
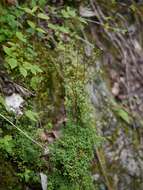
(122, 152)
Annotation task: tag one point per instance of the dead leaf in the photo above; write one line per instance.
(11, 2)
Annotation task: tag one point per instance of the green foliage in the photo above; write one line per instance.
(9, 22)
(25, 151)
(57, 76)
(71, 157)
(6, 144)
(31, 115)
(21, 61)
(121, 112)
(28, 175)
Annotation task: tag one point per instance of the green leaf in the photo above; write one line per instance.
(20, 36)
(65, 14)
(52, 26)
(69, 13)
(34, 82)
(12, 62)
(27, 10)
(7, 50)
(27, 65)
(38, 69)
(11, 44)
(43, 16)
(83, 20)
(35, 69)
(63, 29)
(2, 101)
(31, 115)
(59, 28)
(123, 114)
(133, 8)
(40, 30)
(34, 9)
(23, 71)
(31, 24)
(2, 37)
(6, 143)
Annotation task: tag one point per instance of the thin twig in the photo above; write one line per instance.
(85, 41)
(25, 134)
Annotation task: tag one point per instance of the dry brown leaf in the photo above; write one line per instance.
(11, 2)
(49, 136)
(43, 136)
